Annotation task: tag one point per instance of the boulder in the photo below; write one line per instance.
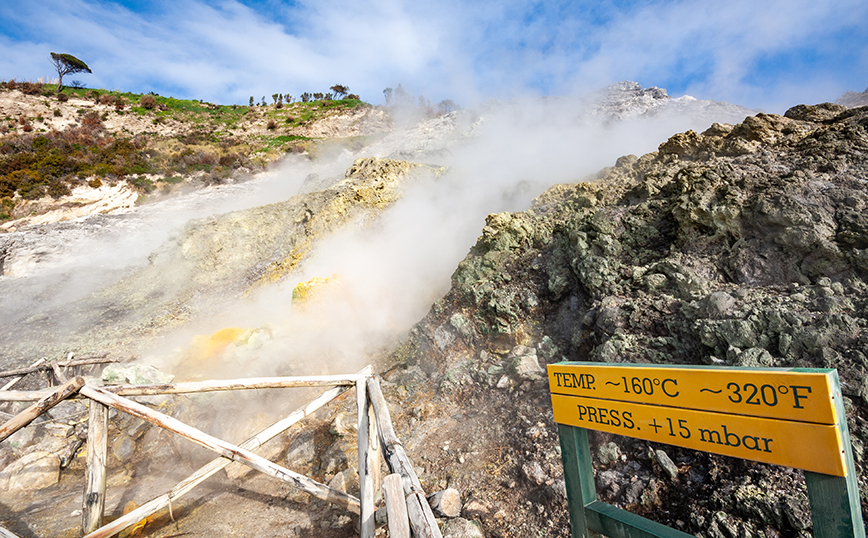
(462, 528)
(36, 470)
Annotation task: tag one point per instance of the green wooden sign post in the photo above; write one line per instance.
(762, 414)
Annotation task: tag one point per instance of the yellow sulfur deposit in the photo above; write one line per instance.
(303, 292)
(203, 346)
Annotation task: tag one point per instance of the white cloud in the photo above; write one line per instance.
(227, 51)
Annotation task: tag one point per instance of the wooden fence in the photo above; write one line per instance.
(374, 423)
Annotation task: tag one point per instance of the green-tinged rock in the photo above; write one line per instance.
(135, 374)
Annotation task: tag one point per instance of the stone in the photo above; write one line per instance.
(301, 450)
(333, 458)
(340, 481)
(36, 470)
(462, 528)
(609, 482)
(476, 509)
(815, 113)
(608, 453)
(557, 490)
(68, 410)
(343, 425)
(21, 439)
(754, 357)
(123, 448)
(718, 305)
(443, 336)
(525, 364)
(533, 471)
(135, 374)
(666, 464)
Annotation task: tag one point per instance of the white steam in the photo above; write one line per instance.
(391, 271)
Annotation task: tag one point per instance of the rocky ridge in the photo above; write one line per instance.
(742, 245)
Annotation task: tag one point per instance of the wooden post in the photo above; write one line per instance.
(187, 485)
(366, 464)
(58, 373)
(396, 507)
(12, 382)
(374, 451)
(93, 503)
(446, 503)
(227, 450)
(28, 415)
(421, 517)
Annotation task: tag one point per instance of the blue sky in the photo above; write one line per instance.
(768, 54)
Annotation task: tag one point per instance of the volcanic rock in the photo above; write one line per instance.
(742, 245)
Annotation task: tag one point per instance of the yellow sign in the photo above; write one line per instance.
(770, 393)
(780, 416)
(812, 447)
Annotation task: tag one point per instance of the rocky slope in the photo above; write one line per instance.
(742, 246)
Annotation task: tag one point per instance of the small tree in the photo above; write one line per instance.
(66, 64)
(340, 89)
(387, 93)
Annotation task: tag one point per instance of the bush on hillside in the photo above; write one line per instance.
(148, 101)
(31, 88)
(91, 120)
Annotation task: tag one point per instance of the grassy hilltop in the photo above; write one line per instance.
(51, 143)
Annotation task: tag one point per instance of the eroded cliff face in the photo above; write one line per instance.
(741, 246)
(214, 261)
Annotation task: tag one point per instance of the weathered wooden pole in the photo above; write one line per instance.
(93, 502)
(187, 485)
(227, 450)
(12, 382)
(28, 415)
(4, 533)
(421, 517)
(40, 366)
(366, 464)
(396, 507)
(204, 386)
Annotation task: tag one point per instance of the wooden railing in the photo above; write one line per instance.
(410, 509)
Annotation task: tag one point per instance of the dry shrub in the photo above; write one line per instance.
(107, 99)
(62, 97)
(272, 125)
(11, 85)
(26, 127)
(91, 120)
(31, 88)
(148, 101)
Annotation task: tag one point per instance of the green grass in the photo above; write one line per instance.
(34, 164)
